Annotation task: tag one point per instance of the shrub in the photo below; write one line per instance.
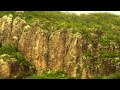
(13, 51)
(51, 75)
(114, 76)
(7, 49)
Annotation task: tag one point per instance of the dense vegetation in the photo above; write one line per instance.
(59, 20)
(106, 23)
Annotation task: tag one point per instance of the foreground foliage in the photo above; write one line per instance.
(50, 75)
(14, 53)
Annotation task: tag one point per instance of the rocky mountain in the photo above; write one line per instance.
(87, 47)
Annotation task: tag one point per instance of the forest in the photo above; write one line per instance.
(58, 45)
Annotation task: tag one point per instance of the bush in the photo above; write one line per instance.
(51, 75)
(114, 76)
(21, 58)
(7, 49)
(13, 51)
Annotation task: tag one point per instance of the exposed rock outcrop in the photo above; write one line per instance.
(33, 44)
(59, 50)
(11, 29)
(11, 68)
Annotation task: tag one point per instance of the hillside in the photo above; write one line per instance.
(52, 44)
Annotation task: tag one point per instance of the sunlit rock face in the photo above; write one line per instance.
(34, 45)
(9, 66)
(63, 50)
(11, 29)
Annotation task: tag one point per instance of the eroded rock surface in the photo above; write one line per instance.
(59, 50)
(11, 68)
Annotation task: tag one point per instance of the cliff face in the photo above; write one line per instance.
(62, 50)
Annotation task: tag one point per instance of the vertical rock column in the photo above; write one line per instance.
(11, 29)
(57, 41)
(33, 44)
(5, 29)
(73, 58)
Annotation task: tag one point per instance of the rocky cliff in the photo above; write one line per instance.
(74, 53)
